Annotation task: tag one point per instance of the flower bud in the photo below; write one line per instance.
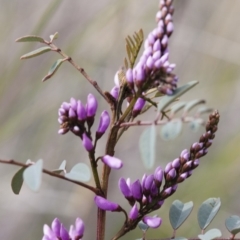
(112, 162)
(158, 176)
(87, 143)
(92, 105)
(152, 222)
(81, 111)
(103, 124)
(138, 106)
(124, 188)
(106, 205)
(133, 213)
(136, 190)
(129, 78)
(115, 92)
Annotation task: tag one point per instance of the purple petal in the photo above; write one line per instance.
(152, 222)
(129, 76)
(115, 92)
(79, 227)
(81, 111)
(87, 143)
(73, 103)
(124, 188)
(106, 205)
(158, 175)
(47, 231)
(136, 189)
(112, 162)
(148, 182)
(92, 105)
(134, 212)
(104, 122)
(64, 233)
(56, 225)
(72, 113)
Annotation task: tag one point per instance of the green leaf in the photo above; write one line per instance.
(61, 168)
(196, 124)
(204, 109)
(211, 234)
(80, 172)
(233, 224)
(180, 238)
(30, 38)
(171, 130)
(167, 100)
(33, 175)
(179, 212)
(35, 53)
(144, 227)
(177, 107)
(147, 145)
(208, 211)
(17, 181)
(190, 105)
(54, 36)
(53, 69)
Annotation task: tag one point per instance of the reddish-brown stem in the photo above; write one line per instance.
(13, 162)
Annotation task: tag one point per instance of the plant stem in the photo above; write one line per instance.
(13, 162)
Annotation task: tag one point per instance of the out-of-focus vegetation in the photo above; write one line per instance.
(205, 46)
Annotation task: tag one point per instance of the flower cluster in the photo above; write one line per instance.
(58, 231)
(149, 194)
(153, 69)
(77, 118)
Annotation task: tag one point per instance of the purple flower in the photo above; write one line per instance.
(92, 105)
(104, 123)
(115, 92)
(87, 143)
(136, 189)
(112, 162)
(129, 77)
(152, 222)
(158, 176)
(124, 188)
(134, 212)
(77, 231)
(106, 205)
(138, 106)
(81, 111)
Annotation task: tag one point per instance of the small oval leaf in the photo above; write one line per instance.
(62, 167)
(54, 36)
(177, 107)
(167, 100)
(144, 227)
(190, 105)
(17, 181)
(33, 175)
(180, 238)
(53, 69)
(147, 145)
(79, 172)
(171, 130)
(208, 211)
(204, 109)
(179, 212)
(196, 124)
(233, 224)
(211, 234)
(30, 38)
(36, 52)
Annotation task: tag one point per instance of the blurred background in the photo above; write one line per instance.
(205, 46)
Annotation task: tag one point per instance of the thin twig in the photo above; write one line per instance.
(13, 162)
(81, 70)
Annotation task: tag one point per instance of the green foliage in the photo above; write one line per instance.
(208, 211)
(147, 145)
(33, 175)
(36, 52)
(179, 212)
(30, 38)
(233, 224)
(79, 172)
(211, 234)
(167, 100)
(53, 69)
(17, 181)
(171, 129)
